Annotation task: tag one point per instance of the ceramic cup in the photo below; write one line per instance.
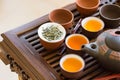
(71, 65)
(51, 35)
(92, 27)
(62, 16)
(110, 14)
(74, 42)
(87, 7)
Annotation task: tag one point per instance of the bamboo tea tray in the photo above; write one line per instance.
(21, 48)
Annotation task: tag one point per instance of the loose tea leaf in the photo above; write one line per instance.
(52, 33)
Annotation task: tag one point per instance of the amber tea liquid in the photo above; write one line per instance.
(75, 42)
(72, 64)
(93, 25)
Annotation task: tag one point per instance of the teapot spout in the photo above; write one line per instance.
(91, 49)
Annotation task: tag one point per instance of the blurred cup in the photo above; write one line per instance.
(71, 65)
(87, 7)
(92, 27)
(74, 43)
(110, 14)
(62, 16)
(51, 35)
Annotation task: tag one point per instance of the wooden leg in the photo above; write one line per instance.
(3, 56)
(3, 53)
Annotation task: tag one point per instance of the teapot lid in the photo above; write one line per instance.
(112, 39)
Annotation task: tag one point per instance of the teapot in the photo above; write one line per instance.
(106, 49)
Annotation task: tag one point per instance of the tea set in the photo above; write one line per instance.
(105, 48)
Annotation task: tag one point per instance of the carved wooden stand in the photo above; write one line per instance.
(7, 59)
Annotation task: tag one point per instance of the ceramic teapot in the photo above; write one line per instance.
(106, 49)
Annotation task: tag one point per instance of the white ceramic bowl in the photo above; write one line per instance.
(51, 44)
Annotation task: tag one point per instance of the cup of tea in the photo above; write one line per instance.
(62, 16)
(51, 35)
(71, 65)
(92, 27)
(87, 7)
(110, 14)
(74, 43)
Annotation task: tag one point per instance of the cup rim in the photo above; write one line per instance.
(68, 11)
(93, 18)
(100, 11)
(72, 56)
(76, 34)
(61, 28)
(88, 7)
